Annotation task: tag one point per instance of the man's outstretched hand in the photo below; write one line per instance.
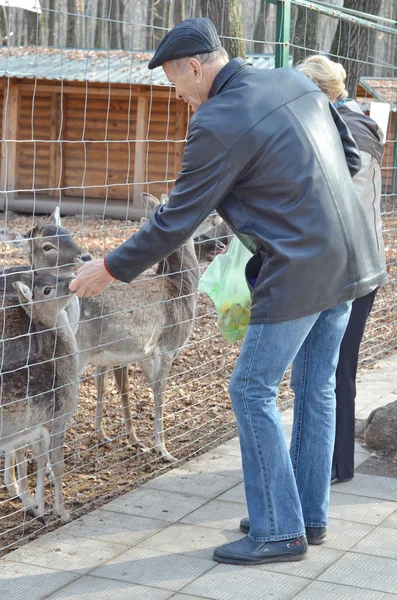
(92, 278)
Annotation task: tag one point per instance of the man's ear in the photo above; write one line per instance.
(197, 69)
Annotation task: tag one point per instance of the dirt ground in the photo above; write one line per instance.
(198, 411)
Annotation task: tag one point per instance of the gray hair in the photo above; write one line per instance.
(206, 58)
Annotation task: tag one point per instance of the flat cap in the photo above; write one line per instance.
(189, 37)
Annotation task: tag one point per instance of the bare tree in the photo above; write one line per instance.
(306, 33)
(227, 18)
(158, 16)
(260, 27)
(34, 26)
(384, 51)
(3, 26)
(100, 24)
(71, 24)
(179, 11)
(114, 16)
(51, 22)
(352, 43)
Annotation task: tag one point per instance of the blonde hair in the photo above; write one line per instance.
(328, 75)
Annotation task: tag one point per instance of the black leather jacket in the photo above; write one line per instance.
(264, 152)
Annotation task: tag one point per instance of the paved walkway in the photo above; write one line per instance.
(156, 542)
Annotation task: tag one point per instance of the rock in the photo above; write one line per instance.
(381, 428)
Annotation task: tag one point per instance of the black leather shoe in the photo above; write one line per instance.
(245, 525)
(315, 535)
(336, 479)
(247, 552)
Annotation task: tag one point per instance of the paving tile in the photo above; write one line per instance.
(208, 485)
(342, 535)
(368, 572)
(218, 514)
(358, 449)
(66, 553)
(114, 527)
(318, 560)
(391, 521)
(235, 494)
(372, 486)
(96, 588)
(228, 582)
(185, 597)
(365, 410)
(379, 542)
(154, 568)
(330, 591)
(231, 447)
(29, 582)
(156, 504)
(360, 458)
(359, 509)
(216, 462)
(190, 539)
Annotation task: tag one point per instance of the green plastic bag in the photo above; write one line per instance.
(224, 282)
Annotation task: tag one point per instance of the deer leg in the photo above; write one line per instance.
(102, 377)
(9, 475)
(57, 464)
(158, 382)
(23, 484)
(40, 450)
(122, 379)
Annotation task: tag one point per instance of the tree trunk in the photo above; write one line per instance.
(4, 41)
(114, 41)
(306, 34)
(120, 24)
(260, 27)
(51, 23)
(179, 11)
(158, 16)
(71, 26)
(226, 16)
(352, 43)
(101, 38)
(34, 28)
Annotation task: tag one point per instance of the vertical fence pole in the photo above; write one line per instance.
(283, 27)
(394, 176)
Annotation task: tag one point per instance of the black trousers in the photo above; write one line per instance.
(343, 461)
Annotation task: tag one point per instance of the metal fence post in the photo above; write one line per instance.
(283, 28)
(394, 176)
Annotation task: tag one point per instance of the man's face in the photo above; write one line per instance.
(189, 82)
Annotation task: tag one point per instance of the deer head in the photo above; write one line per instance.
(48, 245)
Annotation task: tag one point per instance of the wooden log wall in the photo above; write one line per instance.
(93, 141)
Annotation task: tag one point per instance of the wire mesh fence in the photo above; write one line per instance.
(93, 133)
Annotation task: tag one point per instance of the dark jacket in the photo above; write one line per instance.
(265, 152)
(368, 182)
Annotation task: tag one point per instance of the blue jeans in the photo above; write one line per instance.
(287, 491)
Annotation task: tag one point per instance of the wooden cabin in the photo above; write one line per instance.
(91, 130)
(92, 127)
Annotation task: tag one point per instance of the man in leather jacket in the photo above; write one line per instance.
(269, 152)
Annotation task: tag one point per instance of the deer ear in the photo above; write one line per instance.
(151, 203)
(164, 199)
(55, 217)
(24, 293)
(13, 237)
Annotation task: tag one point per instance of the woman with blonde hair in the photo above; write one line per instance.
(330, 77)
